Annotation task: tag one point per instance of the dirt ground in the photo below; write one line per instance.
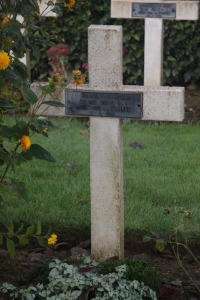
(176, 285)
(192, 104)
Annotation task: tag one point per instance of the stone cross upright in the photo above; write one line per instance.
(106, 101)
(154, 11)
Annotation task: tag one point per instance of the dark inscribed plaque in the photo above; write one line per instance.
(154, 10)
(103, 104)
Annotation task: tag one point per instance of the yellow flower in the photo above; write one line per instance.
(79, 78)
(25, 142)
(53, 239)
(69, 4)
(76, 72)
(4, 60)
(5, 21)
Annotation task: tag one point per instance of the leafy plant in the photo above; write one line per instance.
(72, 282)
(135, 269)
(19, 21)
(20, 235)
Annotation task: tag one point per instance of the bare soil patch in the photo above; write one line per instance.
(26, 269)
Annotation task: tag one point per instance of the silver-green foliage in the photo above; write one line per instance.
(66, 282)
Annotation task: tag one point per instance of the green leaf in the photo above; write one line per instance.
(5, 103)
(10, 234)
(147, 238)
(20, 228)
(46, 89)
(23, 240)
(39, 228)
(20, 68)
(11, 247)
(16, 131)
(16, 188)
(42, 241)
(37, 151)
(57, 9)
(30, 230)
(38, 125)
(28, 94)
(160, 245)
(1, 239)
(6, 221)
(13, 77)
(3, 188)
(54, 103)
(49, 231)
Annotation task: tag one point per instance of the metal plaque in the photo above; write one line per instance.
(154, 10)
(103, 104)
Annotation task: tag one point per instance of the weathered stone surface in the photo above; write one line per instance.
(185, 10)
(106, 146)
(153, 59)
(161, 103)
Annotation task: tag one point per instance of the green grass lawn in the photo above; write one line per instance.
(165, 173)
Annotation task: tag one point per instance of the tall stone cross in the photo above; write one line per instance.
(106, 100)
(154, 11)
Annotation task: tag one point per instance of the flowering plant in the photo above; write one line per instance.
(18, 22)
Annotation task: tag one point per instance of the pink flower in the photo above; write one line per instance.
(63, 49)
(85, 66)
(59, 50)
(52, 51)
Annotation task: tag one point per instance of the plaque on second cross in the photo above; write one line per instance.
(154, 10)
(103, 104)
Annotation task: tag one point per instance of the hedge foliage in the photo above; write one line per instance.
(181, 43)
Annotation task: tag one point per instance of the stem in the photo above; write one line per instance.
(192, 254)
(8, 165)
(177, 256)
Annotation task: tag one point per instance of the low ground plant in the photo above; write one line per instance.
(66, 281)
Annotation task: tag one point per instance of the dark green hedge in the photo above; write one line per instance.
(181, 43)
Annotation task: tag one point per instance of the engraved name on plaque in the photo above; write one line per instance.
(104, 104)
(154, 10)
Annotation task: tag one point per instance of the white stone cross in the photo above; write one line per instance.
(106, 136)
(154, 11)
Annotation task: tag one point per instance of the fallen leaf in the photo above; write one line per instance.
(71, 165)
(176, 282)
(81, 200)
(84, 132)
(136, 145)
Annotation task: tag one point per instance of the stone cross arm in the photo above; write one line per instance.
(184, 9)
(160, 103)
